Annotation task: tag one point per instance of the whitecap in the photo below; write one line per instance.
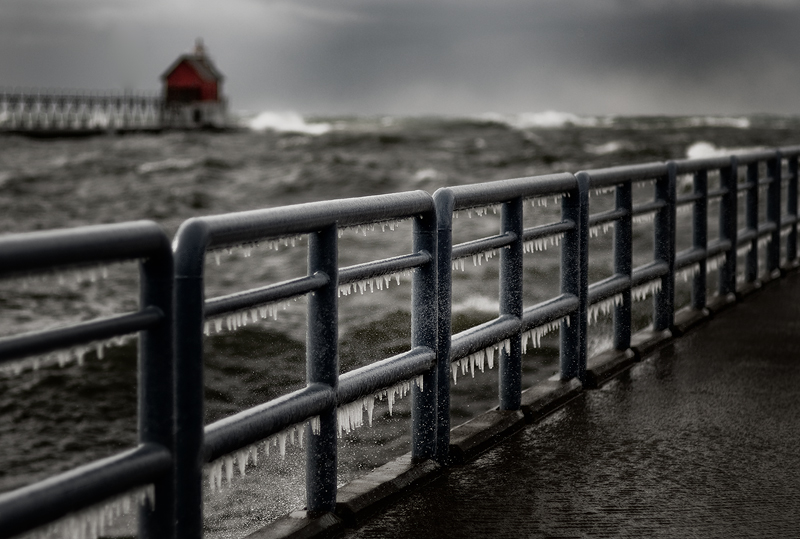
(172, 163)
(703, 149)
(286, 122)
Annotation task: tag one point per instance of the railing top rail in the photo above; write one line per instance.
(32, 251)
(607, 177)
(686, 166)
(481, 194)
(747, 158)
(250, 226)
(790, 151)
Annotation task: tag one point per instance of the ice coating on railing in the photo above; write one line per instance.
(369, 285)
(91, 523)
(392, 225)
(684, 209)
(62, 358)
(716, 261)
(786, 230)
(534, 335)
(638, 293)
(763, 241)
(603, 307)
(66, 276)
(542, 200)
(595, 230)
(644, 217)
(478, 359)
(239, 319)
(688, 272)
(247, 249)
(477, 259)
(599, 191)
(350, 416)
(540, 244)
(243, 457)
(479, 211)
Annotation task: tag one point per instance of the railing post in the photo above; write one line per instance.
(445, 202)
(774, 214)
(322, 367)
(423, 333)
(664, 230)
(156, 375)
(727, 227)
(751, 265)
(623, 264)
(575, 279)
(700, 237)
(791, 209)
(190, 246)
(510, 371)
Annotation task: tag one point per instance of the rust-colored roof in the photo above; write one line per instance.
(200, 63)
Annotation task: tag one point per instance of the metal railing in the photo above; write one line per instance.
(152, 461)
(434, 352)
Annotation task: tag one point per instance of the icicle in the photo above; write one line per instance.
(233, 321)
(764, 241)
(372, 283)
(603, 307)
(595, 230)
(715, 262)
(534, 335)
(62, 358)
(688, 272)
(90, 523)
(604, 190)
(786, 230)
(644, 218)
(362, 229)
(540, 244)
(642, 291)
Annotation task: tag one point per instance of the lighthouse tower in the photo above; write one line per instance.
(193, 92)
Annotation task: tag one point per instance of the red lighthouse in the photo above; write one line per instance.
(193, 92)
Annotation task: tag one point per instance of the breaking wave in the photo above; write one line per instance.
(286, 122)
(546, 119)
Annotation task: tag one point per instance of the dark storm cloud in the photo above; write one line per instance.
(605, 56)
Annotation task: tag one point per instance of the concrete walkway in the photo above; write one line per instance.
(702, 439)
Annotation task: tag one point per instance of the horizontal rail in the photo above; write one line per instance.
(254, 424)
(688, 166)
(766, 228)
(607, 216)
(688, 199)
(483, 335)
(745, 235)
(475, 195)
(648, 207)
(648, 272)
(255, 225)
(690, 256)
(718, 247)
(607, 177)
(371, 378)
(54, 249)
(42, 342)
(463, 250)
(608, 287)
(352, 274)
(548, 311)
(53, 498)
(755, 157)
(544, 231)
(268, 294)
(746, 186)
(718, 193)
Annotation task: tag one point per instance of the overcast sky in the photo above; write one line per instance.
(425, 56)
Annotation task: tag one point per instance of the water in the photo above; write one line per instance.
(55, 418)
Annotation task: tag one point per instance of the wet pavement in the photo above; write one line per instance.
(699, 440)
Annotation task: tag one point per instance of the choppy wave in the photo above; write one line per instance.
(286, 122)
(702, 149)
(546, 119)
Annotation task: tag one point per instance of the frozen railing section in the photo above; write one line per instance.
(475, 347)
(175, 444)
(79, 502)
(328, 398)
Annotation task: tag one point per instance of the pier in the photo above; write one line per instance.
(683, 428)
(53, 113)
